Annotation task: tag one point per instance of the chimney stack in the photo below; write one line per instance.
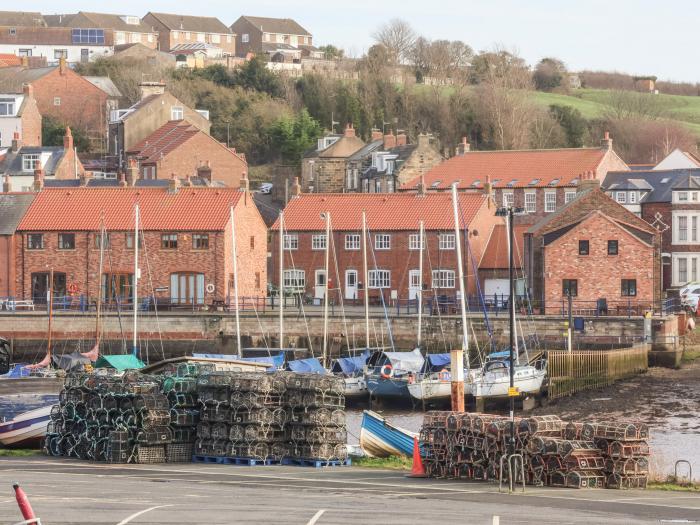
(424, 140)
(245, 183)
(122, 180)
(132, 172)
(68, 140)
(401, 139)
(296, 187)
(606, 143)
(28, 90)
(16, 142)
(389, 141)
(463, 147)
(62, 66)
(488, 187)
(421, 183)
(25, 61)
(204, 171)
(376, 134)
(173, 184)
(151, 88)
(588, 181)
(38, 178)
(7, 185)
(349, 130)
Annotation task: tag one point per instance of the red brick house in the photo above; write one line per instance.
(540, 181)
(182, 149)
(178, 32)
(187, 244)
(593, 249)
(393, 243)
(13, 206)
(493, 267)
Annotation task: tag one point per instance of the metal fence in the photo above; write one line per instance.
(571, 372)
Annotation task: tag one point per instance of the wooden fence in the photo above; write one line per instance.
(571, 372)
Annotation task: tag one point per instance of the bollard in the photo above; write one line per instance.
(23, 502)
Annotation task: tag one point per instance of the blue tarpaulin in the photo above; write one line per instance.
(438, 361)
(18, 370)
(309, 366)
(504, 354)
(216, 356)
(350, 365)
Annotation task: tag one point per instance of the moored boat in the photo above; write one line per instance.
(391, 372)
(494, 380)
(352, 370)
(378, 438)
(27, 429)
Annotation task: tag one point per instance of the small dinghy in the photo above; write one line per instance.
(380, 439)
(26, 430)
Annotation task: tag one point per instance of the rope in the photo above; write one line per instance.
(381, 293)
(153, 294)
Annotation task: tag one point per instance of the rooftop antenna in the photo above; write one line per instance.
(333, 122)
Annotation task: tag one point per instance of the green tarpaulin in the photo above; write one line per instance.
(120, 362)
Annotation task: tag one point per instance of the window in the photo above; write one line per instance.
(291, 241)
(25, 52)
(66, 241)
(682, 270)
(60, 53)
(228, 39)
(682, 196)
(318, 242)
(530, 202)
(621, 197)
(447, 241)
(216, 39)
(550, 202)
(168, 241)
(294, 280)
(570, 287)
(629, 287)
(177, 113)
(583, 247)
(569, 196)
(117, 287)
(56, 101)
(12, 31)
(7, 106)
(187, 288)
(612, 248)
(35, 241)
(682, 228)
(633, 197)
(694, 228)
(352, 241)
(99, 242)
(252, 242)
(382, 241)
(129, 240)
(379, 278)
(40, 286)
(693, 269)
(508, 199)
(414, 241)
(443, 279)
(88, 36)
(30, 161)
(245, 38)
(200, 241)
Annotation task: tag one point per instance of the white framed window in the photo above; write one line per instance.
(245, 38)
(291, 241)
(682, 228)
(352, 241)
(216, 39)
(30, 161)
(694, 228)
(414, 241)
(621, 197)
(443, 279)
(382, 241)
(682, 270)
(633, 197)
(508, 199)
(379, 278)
(177, 113)
(530, 202)
(7, 106)
(550, 201)
(569, 196)
(60, 53)
(682, 196)
(318, 241)
(693, 269)
(56, 101)
(447, 241)
(150, 37)
(228, 39)
(694, 196)
(294, 280)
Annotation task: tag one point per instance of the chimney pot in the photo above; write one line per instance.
(296, 187)
(62, 65)
(173, 184)
(16, 142)
(122, 179)
(7, 184)
(349, 130)
(28, 90)
(401, 139)
(68, 140)
(607, 142)
(389, 141)
(38, 178)
(376, 134)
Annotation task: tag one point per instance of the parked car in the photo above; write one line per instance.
(266, 188)
(690, 295)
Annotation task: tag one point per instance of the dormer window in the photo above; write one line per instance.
(7, 106)
(177, 113)
(682, 196)
(30, 162)
(435, 184)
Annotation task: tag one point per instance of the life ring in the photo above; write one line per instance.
(411, 379)
(72, 289)
(387, 371)
(445, 375)
(210, 288)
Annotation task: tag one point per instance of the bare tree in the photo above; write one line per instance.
(622, 104)
(398, 37)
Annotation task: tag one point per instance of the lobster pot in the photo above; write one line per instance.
(179, 452)
(154, 436)
(150, 453)
(619, 481)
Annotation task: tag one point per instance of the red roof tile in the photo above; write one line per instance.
(80, 209)
(512, 169)
(9, 60)
(385, 211)
(165, 139)
(496, 253)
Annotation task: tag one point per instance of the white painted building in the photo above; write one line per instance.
(678, 160)
(10, 121)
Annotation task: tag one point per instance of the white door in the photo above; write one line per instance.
(351, 284)
(320, 284)
(414, 284)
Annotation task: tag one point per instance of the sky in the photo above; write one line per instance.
(640, 37)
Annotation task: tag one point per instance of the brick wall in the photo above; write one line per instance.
(599, 275)
(7, 265)
(31, 122)
(328, 175)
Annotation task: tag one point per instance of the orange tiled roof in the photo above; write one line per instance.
(9, 60)
(165, 139)
(512, 169)
(81, 209)
(496, 253)
(385, 211)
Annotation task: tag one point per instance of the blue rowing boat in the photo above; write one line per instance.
(380, 439)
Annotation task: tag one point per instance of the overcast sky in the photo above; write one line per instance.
(643, 37)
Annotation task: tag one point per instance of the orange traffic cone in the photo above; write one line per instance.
(23, 502)
(418, 470)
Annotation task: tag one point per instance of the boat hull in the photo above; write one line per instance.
(388, 389)
(380, 439)
(433, 390)
(528, 381)
(27, 429)
(355, 388)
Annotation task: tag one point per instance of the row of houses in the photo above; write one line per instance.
(85, 36)
(592, 249)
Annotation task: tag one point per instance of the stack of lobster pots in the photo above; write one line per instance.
(553, 452)
(104, 417)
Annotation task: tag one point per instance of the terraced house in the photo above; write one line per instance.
(186, 33)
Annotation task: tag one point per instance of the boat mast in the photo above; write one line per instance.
(327, 217)
(512, 394)
(281, 289)
(421, 235)
(48, 339)
(457, 356)
(365, 277)
(136, 273)
(99, 288)
(235, 284)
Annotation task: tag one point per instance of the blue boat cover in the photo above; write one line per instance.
(504, 354)
(309, 366)
(350, 365)
(216, 356)
(438, 360)
(403, 361)
(18, 370)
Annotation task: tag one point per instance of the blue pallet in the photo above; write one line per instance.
(317, 463)
(250, 462)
